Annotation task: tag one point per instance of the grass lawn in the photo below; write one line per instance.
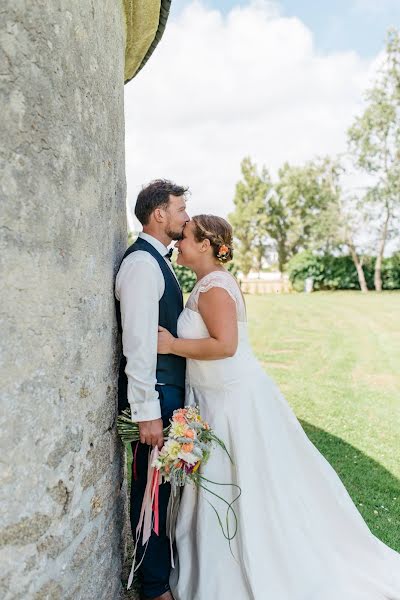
(336, 357)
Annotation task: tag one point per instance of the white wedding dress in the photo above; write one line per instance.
(300, 537)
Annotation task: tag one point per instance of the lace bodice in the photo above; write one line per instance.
(222, 279)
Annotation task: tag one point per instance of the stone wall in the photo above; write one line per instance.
(63, 230)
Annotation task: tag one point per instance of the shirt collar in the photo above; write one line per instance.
(159, 246)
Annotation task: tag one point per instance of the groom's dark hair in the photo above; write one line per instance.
(156, 195)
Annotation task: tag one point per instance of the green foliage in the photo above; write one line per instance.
(300, 210)
(338, 272)
(249, 217)
(391, 272)
(303, 208)
(233, 268)
(185, 276)
(303, 265)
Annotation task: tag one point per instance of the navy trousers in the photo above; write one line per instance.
(156, 566)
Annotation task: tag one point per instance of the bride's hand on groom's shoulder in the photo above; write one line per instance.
(165, 341)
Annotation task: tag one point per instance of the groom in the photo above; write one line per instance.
(148, 295)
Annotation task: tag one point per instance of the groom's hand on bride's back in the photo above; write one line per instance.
(151, 433)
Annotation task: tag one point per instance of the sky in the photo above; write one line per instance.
(276, 81)
(336, 24)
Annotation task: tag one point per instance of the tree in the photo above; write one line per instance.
(356, 220)
(249, 217)
(303, 209)
(357, 259)
(374, 139)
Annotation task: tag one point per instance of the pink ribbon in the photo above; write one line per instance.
(149, 507)
(156, 487)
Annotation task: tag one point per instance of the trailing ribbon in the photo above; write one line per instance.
(149, 508)
(172, 515)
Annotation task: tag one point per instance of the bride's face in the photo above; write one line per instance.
(189, 249)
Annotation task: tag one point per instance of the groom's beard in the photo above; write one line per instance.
(174, 235)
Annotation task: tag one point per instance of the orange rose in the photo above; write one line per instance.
(179, 418)
(189, 433)
(187, 447)
(224, 249)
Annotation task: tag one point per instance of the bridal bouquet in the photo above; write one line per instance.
(188, 445)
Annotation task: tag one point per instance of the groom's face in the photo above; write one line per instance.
(176, 217)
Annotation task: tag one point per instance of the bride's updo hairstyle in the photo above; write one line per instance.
(218, 232)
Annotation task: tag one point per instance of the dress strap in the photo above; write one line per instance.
(224, 280)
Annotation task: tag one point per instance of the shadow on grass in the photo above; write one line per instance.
(374, 490)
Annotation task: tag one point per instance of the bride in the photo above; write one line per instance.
(299, 537)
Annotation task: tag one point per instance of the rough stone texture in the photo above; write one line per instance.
(63, 231)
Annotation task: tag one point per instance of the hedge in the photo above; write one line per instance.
(187, 278)
(339, 273)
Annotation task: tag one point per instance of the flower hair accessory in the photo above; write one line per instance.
(223, 252)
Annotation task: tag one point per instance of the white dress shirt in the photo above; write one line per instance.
(139, 287)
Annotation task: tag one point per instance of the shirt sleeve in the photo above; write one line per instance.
(139, 287)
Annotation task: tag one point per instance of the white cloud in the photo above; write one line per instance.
(221, 87)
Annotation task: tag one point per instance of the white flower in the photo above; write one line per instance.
(171, 449)
(188, 457)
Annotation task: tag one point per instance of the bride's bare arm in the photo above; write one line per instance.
(218, 310)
